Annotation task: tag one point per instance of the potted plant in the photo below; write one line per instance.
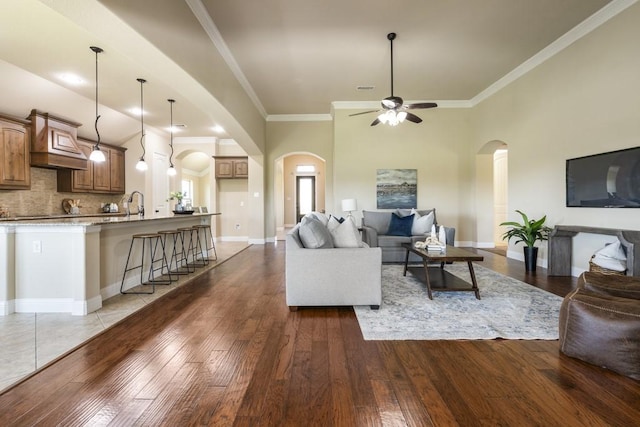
(178, 195)
(528, 232)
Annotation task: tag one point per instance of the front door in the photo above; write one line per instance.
(305, 195)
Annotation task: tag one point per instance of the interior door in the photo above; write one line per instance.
(305, 195)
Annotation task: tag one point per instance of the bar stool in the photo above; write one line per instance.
(207, 248)
(199, 258)
(151, 241)
(177, 264)
(188, 249)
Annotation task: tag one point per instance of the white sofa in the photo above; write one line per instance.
(332, 277)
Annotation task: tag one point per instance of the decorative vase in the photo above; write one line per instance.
(530, 258)
(179, 207)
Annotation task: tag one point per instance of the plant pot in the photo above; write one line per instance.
(530, 258)
(178, 207)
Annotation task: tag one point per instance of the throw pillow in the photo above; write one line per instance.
(346, 235)
(314, 235)
(422, 224)
(334, 222)
(400, 226)
(611, 257)
(323, 218)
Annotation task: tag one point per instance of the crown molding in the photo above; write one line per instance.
(570, 37)
(299, 117)
(585, 27)
(212, 31)
(375, 105)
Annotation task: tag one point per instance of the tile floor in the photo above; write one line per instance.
(31, 340)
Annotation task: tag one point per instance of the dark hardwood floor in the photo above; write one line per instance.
(225, 350)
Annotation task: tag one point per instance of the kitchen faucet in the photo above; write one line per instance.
(140, 203)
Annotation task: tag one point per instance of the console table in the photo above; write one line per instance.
(561, 246)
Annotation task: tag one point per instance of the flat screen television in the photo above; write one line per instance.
(607, 180)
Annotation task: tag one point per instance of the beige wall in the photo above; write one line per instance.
(286, 138)
(580, 102)
(437, 148)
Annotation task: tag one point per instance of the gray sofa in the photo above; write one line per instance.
(375, 229)
(331, 277)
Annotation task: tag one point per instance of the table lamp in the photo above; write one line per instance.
(349, 205)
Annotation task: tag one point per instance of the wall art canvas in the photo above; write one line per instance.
(397, 188)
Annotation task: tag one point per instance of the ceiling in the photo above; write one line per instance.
(288, 57)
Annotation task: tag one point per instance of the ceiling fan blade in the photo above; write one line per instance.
(413, 118)
(363, 112)
(420, 105)
(375, 122)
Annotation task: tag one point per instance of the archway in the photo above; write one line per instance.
(287, 168)
(491, 193)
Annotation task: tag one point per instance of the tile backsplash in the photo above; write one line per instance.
(44, 199)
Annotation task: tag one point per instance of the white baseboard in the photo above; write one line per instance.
(256, 241)
(44, 305)
(519, 255)
(485, 245)
(7, 307)
(234, 238)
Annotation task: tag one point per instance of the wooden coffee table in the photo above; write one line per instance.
(437, 278)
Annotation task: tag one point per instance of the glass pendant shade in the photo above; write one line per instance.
(97, 155)
(171, 171)
(142, 165)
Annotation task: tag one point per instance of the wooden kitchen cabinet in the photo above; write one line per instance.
(15, 172)
(232, 167)
(106, 177)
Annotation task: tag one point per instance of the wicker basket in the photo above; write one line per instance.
(595, 268)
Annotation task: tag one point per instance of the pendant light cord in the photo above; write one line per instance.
(142, 134)
(171, 101)
(391, 36)
(97, 50)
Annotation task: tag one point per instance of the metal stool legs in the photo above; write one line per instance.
(189, 247)
(150, 240)
(208, 240)
(177, 262)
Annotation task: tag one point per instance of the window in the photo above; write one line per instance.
(305, 169)
(187, 188)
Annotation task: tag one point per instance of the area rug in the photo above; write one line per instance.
(508, 309)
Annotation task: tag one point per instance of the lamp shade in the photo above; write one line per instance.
(349, 205)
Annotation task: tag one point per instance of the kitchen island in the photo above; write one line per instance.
(71, 264)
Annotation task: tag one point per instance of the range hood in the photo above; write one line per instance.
(54, 142)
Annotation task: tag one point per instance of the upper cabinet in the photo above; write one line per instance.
(15, 173)
(106, 177)
(232, 167)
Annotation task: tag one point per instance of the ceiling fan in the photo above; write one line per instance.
(393, 110)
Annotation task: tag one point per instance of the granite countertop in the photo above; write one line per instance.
(88, 220)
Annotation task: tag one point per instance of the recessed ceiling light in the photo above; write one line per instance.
(136, 111)
(365, 87)
(218, 129)
(72, 79)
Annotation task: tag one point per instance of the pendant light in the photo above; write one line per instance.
(172, 170)
(142, 165)
(97, 155)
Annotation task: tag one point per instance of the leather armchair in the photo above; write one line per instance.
(600, 322)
